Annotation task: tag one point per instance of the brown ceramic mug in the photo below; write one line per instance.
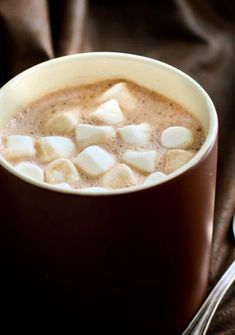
(142, 254)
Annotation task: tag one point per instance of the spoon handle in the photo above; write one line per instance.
(201, 321)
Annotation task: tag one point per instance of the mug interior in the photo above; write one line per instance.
(87, 68)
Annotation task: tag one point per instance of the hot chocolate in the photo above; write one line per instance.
(106, 135)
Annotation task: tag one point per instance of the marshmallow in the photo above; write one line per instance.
(60, 171)
(121, 93)
(94, 160)
(1, 144)
(120, 176)
(176, 137)
(176, 158)
(62, 123)
(109, 113)
(63, 186)
(87, 134)
(154, 178)
(94, 189)
(53, 147)
(141, 160)
(30, 170)
(135, 134)
(19, 147)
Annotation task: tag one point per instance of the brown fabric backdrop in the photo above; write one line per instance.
(197, 36)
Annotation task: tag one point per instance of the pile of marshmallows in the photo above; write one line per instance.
(56, 151)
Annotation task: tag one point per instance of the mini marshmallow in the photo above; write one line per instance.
(1, 144)
(154, 178)
(94, 189)
(62, 123)
(94, 160)
(177, 158)
(118, 177)
(141, 160)
(87, 134)
(109, 113)
(53, 147)
(176, 137)
(30, 170)
(60, 171)
(121, 93)
(135, 134)
(19, 147)
(63, 186)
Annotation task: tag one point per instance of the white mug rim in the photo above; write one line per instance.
(209, 140)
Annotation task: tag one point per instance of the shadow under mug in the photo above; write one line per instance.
(140, 255)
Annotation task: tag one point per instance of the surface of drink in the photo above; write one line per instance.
(103, 136)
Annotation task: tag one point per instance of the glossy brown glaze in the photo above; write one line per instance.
(142, 256)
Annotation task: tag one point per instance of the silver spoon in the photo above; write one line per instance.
(201, 321)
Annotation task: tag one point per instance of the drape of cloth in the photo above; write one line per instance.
(197, 36)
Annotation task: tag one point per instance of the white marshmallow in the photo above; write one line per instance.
(141, 160)
(120, 176)
(63, 186)
(154, 178)
(94, 189)
(121, 93)
(1, 144)
(94, 160)
(30, 170)
(87, 134)
(60, 171)
(19, 147)
(53, 147)
(109, 113)
(135, 134)
(62, 123)
(176, 137)
(176, 158)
